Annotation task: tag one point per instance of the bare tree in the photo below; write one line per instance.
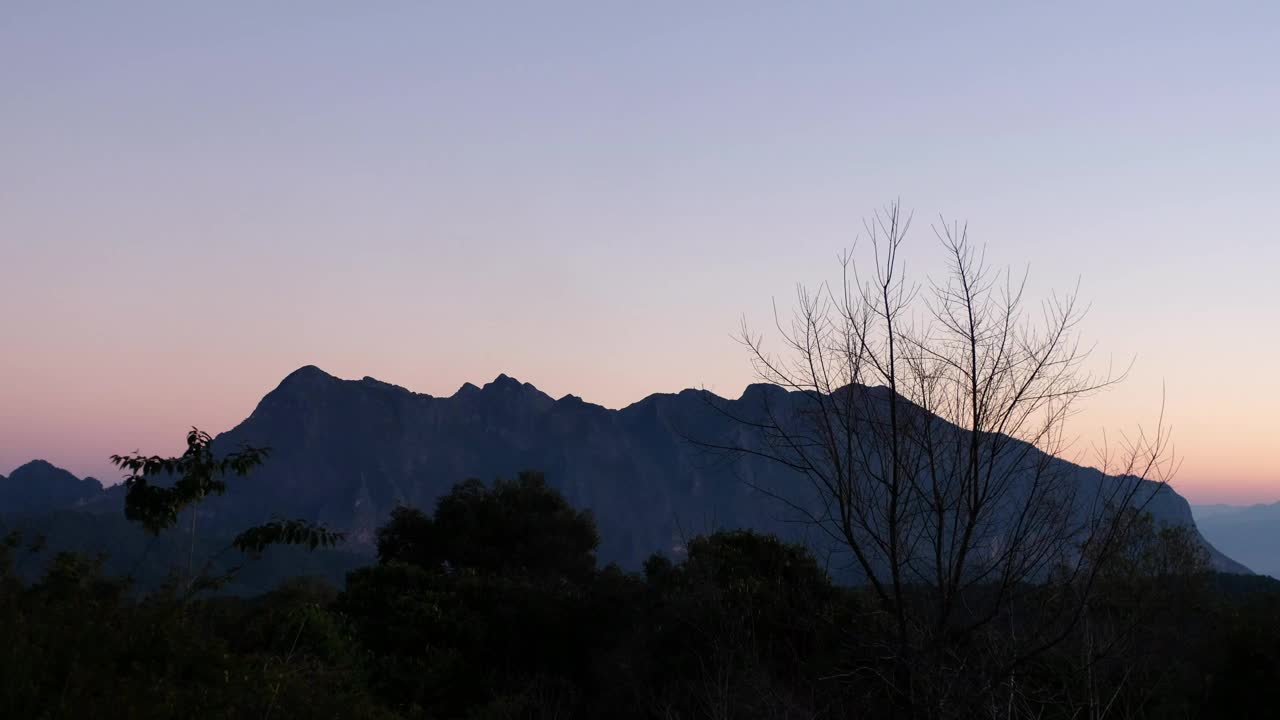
(927, 419)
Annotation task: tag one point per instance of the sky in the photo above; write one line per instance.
(198, 198)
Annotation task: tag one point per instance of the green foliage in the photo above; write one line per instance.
(520, 526)
(488, 607)
(1147, 549)
(77, 645)
(198, 473)
(492, 607)
(747, 624)
(409, 536)
(453, 641)
(286, 532)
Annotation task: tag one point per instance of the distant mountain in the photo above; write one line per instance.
(1248, 533)
(39, 486)
(1207, 511)
(346, 452)
(54, 511)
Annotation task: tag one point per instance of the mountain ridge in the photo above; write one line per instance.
(346, 452)
(1249, 532)
(39, 483)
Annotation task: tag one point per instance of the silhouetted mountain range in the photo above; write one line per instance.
(345, 453)
(39, 486)
(1250, 533)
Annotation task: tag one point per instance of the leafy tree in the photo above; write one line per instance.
(745, 627)
(197, 474)
(409, 536)
(520, 525)
(78, 644)
(485, 608)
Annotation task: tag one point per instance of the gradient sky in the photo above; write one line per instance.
(198, 198)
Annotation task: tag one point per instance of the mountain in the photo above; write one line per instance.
(39, 486)
(346, 452)
(1249, 533)
(1201, 512)
(53, 511)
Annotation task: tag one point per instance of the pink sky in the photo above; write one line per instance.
(195, 201)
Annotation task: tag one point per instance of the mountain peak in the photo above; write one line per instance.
(374, 382)
(306, 373)
(763, 392)
(40, 485)
(43, 471)
(305, 378)
(38, 466)
(505, 388)
(506, 383)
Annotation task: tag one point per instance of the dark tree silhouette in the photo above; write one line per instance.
(159, 488)
(926, 419)
(520, 525)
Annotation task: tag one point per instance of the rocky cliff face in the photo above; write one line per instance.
(346, 452)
